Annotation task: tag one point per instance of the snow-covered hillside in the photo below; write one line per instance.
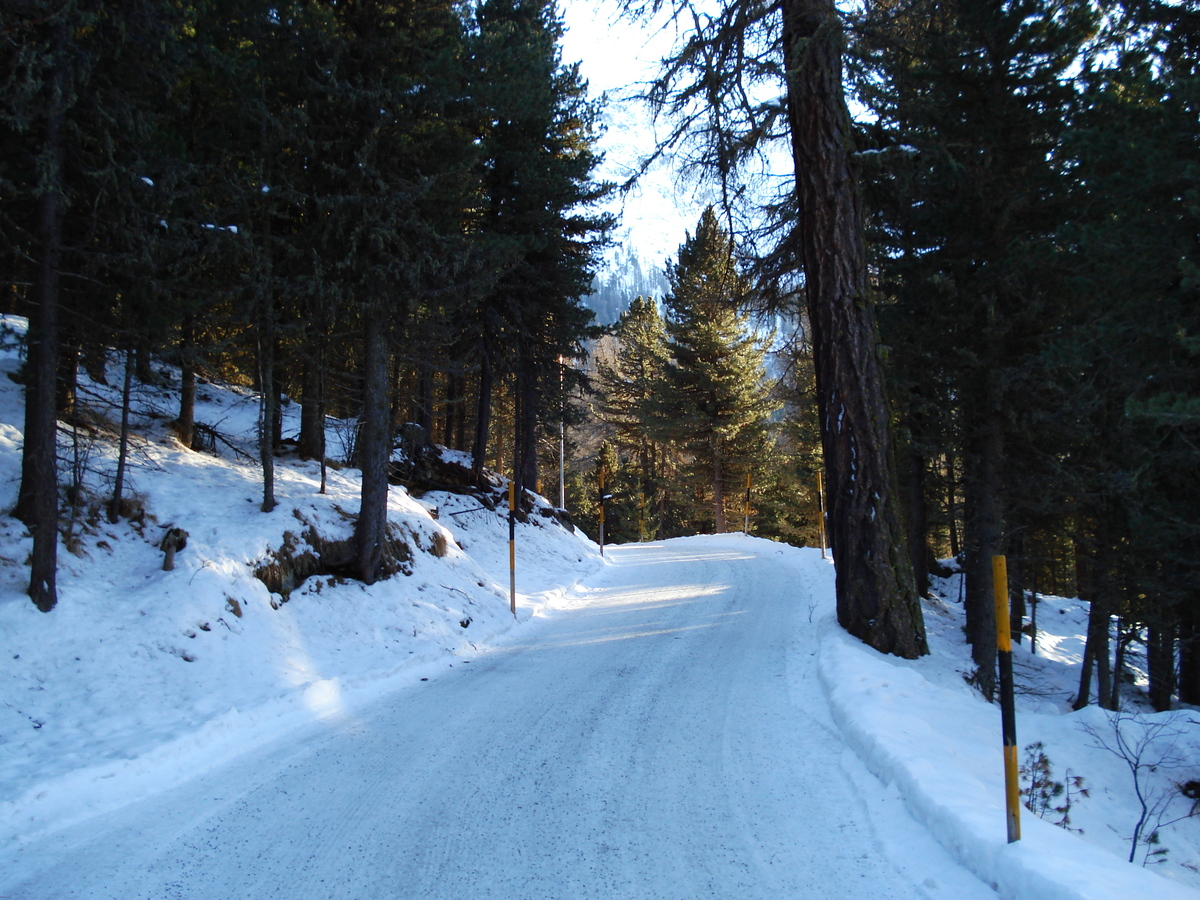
(140, 676)
(141, 679)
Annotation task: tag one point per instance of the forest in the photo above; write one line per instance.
(973, 311)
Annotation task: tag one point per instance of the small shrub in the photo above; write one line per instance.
(1045, 797)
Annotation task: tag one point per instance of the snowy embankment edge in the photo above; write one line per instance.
(960, 800)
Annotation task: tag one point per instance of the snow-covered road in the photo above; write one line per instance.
(665, 736)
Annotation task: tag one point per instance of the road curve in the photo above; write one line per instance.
(659, 740)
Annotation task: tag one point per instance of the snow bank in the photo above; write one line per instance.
(939, 744)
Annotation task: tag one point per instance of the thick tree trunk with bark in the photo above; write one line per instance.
(876, 598)
(374, 448)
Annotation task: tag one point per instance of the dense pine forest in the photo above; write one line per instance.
(973, 309)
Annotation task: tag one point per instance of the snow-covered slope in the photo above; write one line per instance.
(141, 676)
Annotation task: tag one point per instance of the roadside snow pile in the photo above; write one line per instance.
(921, 727)
(140, 676)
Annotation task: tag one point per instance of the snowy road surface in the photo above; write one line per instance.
(665, 737)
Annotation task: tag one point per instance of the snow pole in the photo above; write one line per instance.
(642, 516)
(512, 547)
(1008, 716)
(746, 520)
(821, 513)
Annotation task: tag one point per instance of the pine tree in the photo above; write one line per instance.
(84, 91)
(1133, 245)
(629, 388)
(537, 131)
(972, 104)
(717, 398)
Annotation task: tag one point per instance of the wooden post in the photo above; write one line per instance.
(821, 513)
(1008, 718)
(642, 517)
(512, 547)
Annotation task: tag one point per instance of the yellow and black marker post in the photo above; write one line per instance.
(512, 546)
(1008, 715)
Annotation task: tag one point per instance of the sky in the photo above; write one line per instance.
(615, 55)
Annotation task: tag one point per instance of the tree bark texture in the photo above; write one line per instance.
(374, 444)
(876, 598)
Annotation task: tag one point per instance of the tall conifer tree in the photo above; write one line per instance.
(717, 396)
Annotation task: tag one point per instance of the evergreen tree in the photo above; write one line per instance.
(84, 87)
(629, 389)
(537, 130)
(973, 101)
(717, 398)
(1133, 246)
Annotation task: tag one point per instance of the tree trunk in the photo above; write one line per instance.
(114, 505)
(952, 508)
(268, 410)
(917, 522)
(423, 407)
(483, 417)
(374, 443)
(312, 407)
(37, 500)
(185, 425)
(453, 399)
(985, 532)
(1189, 655)
(67, 379)
(718, 487)
(1017, 568)
(876, 599)
(525, 461)
(1160, 659)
